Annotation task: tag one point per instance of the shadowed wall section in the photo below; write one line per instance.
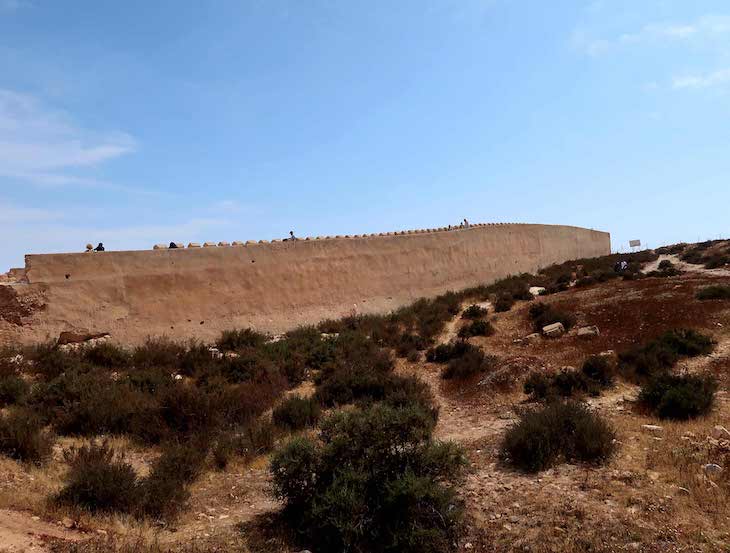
(197, 292)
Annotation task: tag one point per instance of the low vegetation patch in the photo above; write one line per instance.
(373, 481)
(714, 292)
(596, 374)
(474, 312)
(296, 413)
(476, 328)
(542, 314)
(22, 437)
(557, 432)
(471, 363)
(679, 397)
(446, 352)
(662, 353)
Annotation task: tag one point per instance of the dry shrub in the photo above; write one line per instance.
(679, 397)
(234, 340)
(98, 480)
(662, 353)
(22, 437)
(296, 413)
(542, 315)
(476, 328)
(473, 362)
(559, 431)
(714, 292)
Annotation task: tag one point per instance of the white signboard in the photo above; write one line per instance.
(634, 243)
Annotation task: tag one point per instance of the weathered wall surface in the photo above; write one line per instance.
(197, 292)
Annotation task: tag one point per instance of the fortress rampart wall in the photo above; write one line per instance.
(273, 286)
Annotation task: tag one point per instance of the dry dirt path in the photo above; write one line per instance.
(22, 532)
(684, 266)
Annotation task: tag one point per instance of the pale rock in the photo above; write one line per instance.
(720, 433)
(712, 468)
(553, 330)
(588, 331)
(536, 290)
(652, 427)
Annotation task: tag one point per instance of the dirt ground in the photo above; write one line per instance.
(652, 496)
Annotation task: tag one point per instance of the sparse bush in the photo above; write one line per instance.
(165, 490)
(108, 355)
(375, 482)
(503, 303)
(569, 382)
(50, 362)
(234, 340)
(158, 353)
(446, 352)
(12, 390)
(542, 315)
(679, 397)
(599, 369)
(98, 480)
(250, 364)
(665, 264)
(474, 312)
(408, 343)
(471, 363)
(296, 413)
(22, 437)
(476, 328)
(538, 385)
(558, 431)
(715, 292)
(662, 353)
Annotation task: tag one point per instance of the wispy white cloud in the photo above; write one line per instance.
(704, 80)
(40, 144)
(706, 27)
(14, 214)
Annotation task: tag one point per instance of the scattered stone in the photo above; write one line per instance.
(607, 353)
(537, 290)
(553, 330)
(588, 331)
(652, 427)
(532, 337)
(720, 433)
(682, 490)
(67, 523)
(712, 468)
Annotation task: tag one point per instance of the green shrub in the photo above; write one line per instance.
(373, 482)
(599, 369)
(558, 431)
(538, 385)
(164, 491)
(503, 303)
(715, 292)
(542, 315)
(474, 312)
(98, 480)
(13, 389)
(296, 413)
(158, 353)
(408, 343)
(22, 437)
(234, 340)
(679, 397)
(471, 363)
(108, 355)
(50, 362)
(665, 264)
(446, 352)
(662, 353)
(476, 328)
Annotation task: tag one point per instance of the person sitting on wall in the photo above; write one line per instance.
(99, 248)
(89, 248)
(466, 223)
(172, 246)
(291, 235)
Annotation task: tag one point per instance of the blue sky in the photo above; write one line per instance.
(142, 122)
